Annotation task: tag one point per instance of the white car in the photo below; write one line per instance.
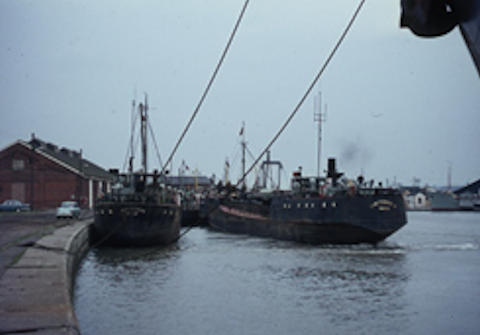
(68, 209)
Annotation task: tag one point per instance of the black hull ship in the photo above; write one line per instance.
(140, 210)
(137, 219)
(132, 225)
(316, 211)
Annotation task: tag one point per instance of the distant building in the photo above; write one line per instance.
(416, 198)
(198, 183)
(443, 201)
(469, 196)
(43, 175)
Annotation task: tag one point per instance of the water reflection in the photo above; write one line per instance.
(119, 286)
(214, 283)
(347, 286)
(353, 287)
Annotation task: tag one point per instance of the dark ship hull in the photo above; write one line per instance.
(193, 218)
(132, 224)
(316, 211)
(139, 211)
(335, 220)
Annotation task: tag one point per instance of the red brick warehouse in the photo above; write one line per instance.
(43, 175)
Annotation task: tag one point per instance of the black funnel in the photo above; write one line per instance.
(332, 171)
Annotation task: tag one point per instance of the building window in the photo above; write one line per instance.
(18, 165)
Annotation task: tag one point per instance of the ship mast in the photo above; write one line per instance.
(132, 122)
(266, 172)
(319, 117)
(227, 168)
(244, 145)
(143, 108)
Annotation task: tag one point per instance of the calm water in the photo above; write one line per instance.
(425, 279)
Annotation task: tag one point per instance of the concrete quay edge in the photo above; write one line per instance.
(36, 292)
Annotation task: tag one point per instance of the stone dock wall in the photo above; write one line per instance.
(36, 292)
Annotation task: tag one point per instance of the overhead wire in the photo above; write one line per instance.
(152, 133)
(299, 104)
(293, 113)
(307, 92)
(200, 103)
(209, 85)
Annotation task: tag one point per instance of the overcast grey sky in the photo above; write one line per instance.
(398, 106)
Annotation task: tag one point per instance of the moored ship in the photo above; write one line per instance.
(137, 212)
(140, 210)
(317, 210)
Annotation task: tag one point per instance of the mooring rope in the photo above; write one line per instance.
(209, 85)
(155, 144)
(307, 92)
(296, 109)
(286, 123)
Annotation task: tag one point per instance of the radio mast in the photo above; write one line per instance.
(244, 146)
(319, 117)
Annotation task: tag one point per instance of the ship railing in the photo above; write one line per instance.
(161, 197)
(345, 192)
(377, 191)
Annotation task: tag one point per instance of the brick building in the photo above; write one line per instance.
(43, 175)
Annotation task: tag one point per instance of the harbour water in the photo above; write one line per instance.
(425, 279)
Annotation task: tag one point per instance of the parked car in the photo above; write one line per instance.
(12, 205)
(68, 209)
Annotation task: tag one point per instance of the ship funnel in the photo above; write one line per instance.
(332, 171)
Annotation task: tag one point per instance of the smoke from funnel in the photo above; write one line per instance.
(355, 153)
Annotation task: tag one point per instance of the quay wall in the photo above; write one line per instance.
(36, 292)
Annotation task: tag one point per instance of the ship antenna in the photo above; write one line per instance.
(319, 117)
(143, 131)
(130, 149)
(227, 168)
(132, 121)
(244, 145)
(309, 89)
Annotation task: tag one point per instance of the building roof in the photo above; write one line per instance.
(188, 181)
(70, 159)
(412, 189)
(470, 188)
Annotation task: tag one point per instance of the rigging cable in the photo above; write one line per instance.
(204, 95)
(209, 85)
(130, 148)
(302, 100)
(155, 144)
(308, 91)
(300, 103)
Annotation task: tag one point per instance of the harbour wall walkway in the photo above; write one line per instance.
(36, 291)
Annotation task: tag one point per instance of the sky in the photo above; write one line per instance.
(397, 107)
